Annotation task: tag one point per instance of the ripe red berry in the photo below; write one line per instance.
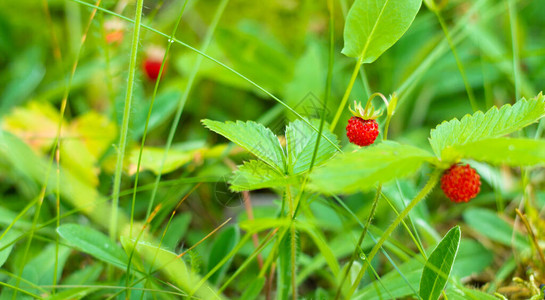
(152, 63)
(361, 132)
(460, 183)
(152, 68)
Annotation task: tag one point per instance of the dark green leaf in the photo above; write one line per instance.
(439, 265)
(361, 170)
(252, 291)
(373, 26)
(255, 138)
(224, 243)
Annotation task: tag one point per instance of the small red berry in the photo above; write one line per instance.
(361, 132)
(152, 68)
(152, 62)
(460, 183)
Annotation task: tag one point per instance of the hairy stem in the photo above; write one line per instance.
(423, 193)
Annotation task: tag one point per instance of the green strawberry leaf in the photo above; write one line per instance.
(513, 152)
(361, 170)
(300, 144)
(255, 138)
(254, 175)
(439, 265)
(494, 123)
(373, 26)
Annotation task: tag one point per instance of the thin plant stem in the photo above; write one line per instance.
(360, 240)
(344, 100)
(468, 87)
(144, 135)
(532, 235)
(421, 195)
(514, 44)
(125, 122)
(56, 145)
(183, 99)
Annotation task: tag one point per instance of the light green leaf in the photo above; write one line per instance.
(373, 26)
(514, 152)
(93, 242)
(255, 138)
(468, 294)
(254, 175)
(152, 159)
(224, 243)
(439, 265)
(393, 285)
(489, 224)
(494, 123)
(361, 170)
(173, 267)
(300, 144)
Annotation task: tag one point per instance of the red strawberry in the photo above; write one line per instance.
(152, 62)
(460, 183)
(152, 67)
(361, 132)
(362, 129)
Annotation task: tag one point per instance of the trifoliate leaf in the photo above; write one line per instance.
(255, 138)
(300, 144)
(361, 170)
(255, 174)
(494, 123)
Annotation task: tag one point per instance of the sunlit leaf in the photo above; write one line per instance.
(514, 152)
(255, 138)
(255, 174)
(494, 123)
(373, 26)
(361, 170)
(300, 144)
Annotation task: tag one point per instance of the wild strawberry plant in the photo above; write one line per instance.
(244, 173)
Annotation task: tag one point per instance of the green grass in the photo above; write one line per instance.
(111, 187)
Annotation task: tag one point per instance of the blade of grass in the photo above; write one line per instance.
(144, 135)
(512, 8)
(181, 102)
(469, 89)
(55, 147)
(125, 122)
(421, 195)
